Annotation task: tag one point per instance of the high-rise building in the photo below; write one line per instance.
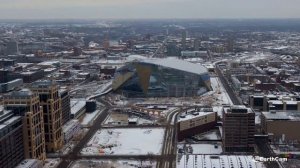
(4, 76)
(230, 45)
(65, 105)
(50, 102)
(183, 39)
(106, 42)
(77, 51)
(238, 129)
(11, 139)
(12, 48)
(26, 104)
(197, 44)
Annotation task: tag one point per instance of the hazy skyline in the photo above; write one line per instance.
(81, 9)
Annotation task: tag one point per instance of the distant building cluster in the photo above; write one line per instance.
(156, 93)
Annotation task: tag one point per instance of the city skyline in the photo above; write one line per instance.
(146, 9)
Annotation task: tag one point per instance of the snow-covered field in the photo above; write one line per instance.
(113, 163)
(131, 141)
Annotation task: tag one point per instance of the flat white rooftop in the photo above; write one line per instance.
(76, 105)
(218, 161)
(295, 116)
(184, 117)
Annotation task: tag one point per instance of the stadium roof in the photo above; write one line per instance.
(177, 64)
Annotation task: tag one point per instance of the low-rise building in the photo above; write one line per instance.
(284, 125)
(195, 122)
(118, 118)
(11, 85)
(71, 129)
(274, 102)
(78, 108)
(217, 161)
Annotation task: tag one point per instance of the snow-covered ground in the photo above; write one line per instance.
(220, 92)
(211, 135)
(113, 163)
(219, 110)
(68, 147)
(204, 148)
(218, 161)
(51, 163)
(131, 141)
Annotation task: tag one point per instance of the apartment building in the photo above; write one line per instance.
(26, 104)
(52, 113)
(11, 139)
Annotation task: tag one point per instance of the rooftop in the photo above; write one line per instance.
(4, 114)
(9, 121)
(177, 64)
(213, 161)
(77, 104)
(193, 114)
(273, 115)
(21, 93)
(237, 109)
(43, 83)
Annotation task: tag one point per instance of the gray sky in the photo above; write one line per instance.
(72, 9)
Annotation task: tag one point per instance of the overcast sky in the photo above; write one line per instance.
(80, 9)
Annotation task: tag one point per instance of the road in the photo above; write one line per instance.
(169, 149)
(265, 151)
(166, 160)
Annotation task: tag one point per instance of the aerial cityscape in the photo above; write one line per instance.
(149, 93)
